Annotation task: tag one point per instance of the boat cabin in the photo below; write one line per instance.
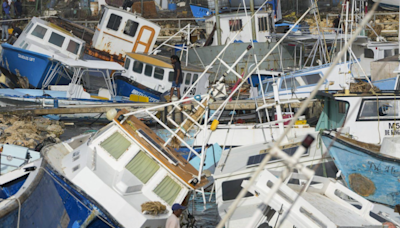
(365, 117)
(120, 31)
(303, 82)
(156, 72)
(49, 39)
(231, 23)
(123, 166)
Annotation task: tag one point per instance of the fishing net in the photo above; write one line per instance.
(362, 87)
(153, 207)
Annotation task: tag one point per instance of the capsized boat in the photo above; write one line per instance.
(121, 170)
(152, 75)
(326, 203)
(32, 54)
(27, 195)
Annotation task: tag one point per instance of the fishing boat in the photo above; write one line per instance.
(151, 76)
(311, 205)
(28, 197)
(367, 159)
(119, 32)
(32, 56)
(389, 5)
(130, 165)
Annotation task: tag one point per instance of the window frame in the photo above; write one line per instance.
(381, 118)
(134, 64)
(126, 26)
(186, 77)
(154, 74)
(127, 60)
(234, 26)
(152, 70)
(233, 189)
(42, 38)
(113, 25)
(78, 49)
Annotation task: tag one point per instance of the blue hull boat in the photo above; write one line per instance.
(39, 204)
(79, 206)
(366, 171)
(126, 87)
(32, 65)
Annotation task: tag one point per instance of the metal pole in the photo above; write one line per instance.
(253, 23)
(141, 7)
(218, 23)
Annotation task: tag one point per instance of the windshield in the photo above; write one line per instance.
(267, 88)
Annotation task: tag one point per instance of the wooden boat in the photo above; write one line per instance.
(365, 152)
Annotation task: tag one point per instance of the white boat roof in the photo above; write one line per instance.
(236, 159)
(90, 64)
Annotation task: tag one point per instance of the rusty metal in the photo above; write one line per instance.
(361, 184)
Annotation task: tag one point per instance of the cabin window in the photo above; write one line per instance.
(168, 190)
(385, 109)
(368, 53)
(143, 167)
(159, 73)
(188, 78)
(231, 189)
(148, 70)
(262, 24)
(195, 77)
(137, 67)
(289, 83)
(311, 79)
(127, 63)
(387, 53)
(114, 22)
(56, 39)
(131, 28)
(39, 31)
(101, 15)
(73, 47)
(342, 107)
(235, 25)
(171, 76)
(116, 145)
(28, 28)
(396, 51)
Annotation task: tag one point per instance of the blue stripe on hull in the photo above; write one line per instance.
(383, 172)
(43, 208)
(126, 89)
(32, 65)
(77, 212)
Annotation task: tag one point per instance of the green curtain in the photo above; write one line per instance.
(116, 145)
(168, 190)
(143, 167)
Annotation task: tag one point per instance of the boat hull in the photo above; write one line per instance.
(80, 207)
(41, 206)
(369, 174)
(32, 65)
(126, 87)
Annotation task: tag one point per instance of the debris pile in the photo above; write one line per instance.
(28, 131)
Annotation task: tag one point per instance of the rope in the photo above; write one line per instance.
(19, 207)
(91, 210)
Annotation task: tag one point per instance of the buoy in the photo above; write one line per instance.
(214, 125)
(174, 98)
(111, 114)
(197, 97)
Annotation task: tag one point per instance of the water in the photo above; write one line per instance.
(205, 217)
